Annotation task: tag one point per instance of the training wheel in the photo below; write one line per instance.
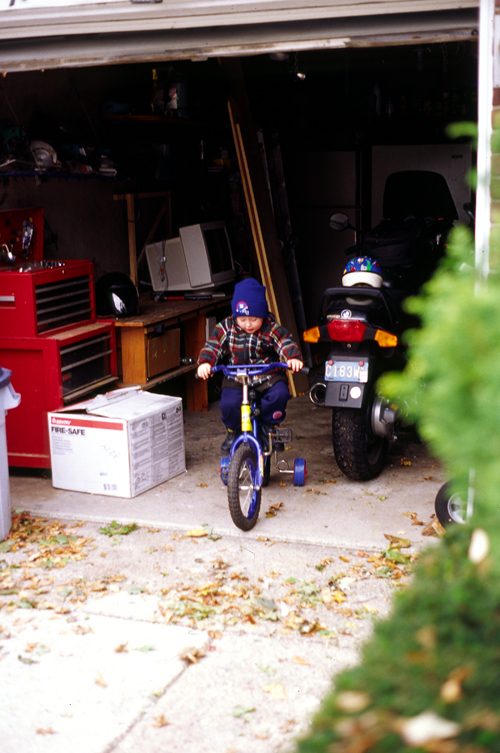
(224, 469)
(299, 472)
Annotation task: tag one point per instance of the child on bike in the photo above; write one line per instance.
(250, 335)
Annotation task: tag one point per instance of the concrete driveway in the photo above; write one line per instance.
(227, 643)
(328, 510)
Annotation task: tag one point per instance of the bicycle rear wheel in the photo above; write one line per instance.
(243, 496)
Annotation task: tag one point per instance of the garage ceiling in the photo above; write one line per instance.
(113, 32)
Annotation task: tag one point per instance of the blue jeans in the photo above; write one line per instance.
(273, 405)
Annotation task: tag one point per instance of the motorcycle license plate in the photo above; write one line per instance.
(346, 371)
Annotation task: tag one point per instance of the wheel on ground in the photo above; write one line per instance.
(224, 468)
(243, 496)
(299, 472)
(360, 454)
(450, 505)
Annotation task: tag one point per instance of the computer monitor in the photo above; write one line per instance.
(199, 259)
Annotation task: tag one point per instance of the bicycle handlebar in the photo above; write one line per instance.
(253, 369)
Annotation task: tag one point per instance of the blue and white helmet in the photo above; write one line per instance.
(362, 271)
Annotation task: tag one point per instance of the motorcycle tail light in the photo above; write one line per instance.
(346, 330)
(311, 335)
(385, 339)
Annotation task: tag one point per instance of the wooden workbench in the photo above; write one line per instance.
(143, 340)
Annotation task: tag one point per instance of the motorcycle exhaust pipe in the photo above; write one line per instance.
(317, 394)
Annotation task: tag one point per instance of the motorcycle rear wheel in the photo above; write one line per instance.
(359, 453)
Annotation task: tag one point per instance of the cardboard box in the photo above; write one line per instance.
(119, 444)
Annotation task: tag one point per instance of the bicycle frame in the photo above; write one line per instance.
(250, 424)
(247, 469)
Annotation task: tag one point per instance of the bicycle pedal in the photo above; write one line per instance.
(282, 434)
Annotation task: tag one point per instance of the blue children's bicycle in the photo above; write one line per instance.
(248, 467)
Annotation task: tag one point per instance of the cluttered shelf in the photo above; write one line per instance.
(152, 312)
(59, 174)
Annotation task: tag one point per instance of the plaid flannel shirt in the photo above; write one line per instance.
(271, 343)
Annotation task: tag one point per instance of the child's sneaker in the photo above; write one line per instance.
(225, 447)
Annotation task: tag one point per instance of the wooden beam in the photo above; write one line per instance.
(165, 209)
(259, 208)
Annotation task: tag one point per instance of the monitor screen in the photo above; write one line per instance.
(219, 251)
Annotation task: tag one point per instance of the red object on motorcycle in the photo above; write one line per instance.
(342, 330)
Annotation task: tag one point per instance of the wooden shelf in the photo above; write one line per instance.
(155, 318)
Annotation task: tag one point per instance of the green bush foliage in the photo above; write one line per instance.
(437, 656)
(451, 384)
(429, 680)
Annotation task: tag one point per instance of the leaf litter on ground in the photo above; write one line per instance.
(223, 598)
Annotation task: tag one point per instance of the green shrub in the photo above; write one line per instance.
(439, 652)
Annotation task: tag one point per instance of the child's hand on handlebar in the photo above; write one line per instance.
(204, 370)
(295, 364)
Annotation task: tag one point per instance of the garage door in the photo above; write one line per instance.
(63, 33)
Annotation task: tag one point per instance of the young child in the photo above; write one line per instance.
(250, 335)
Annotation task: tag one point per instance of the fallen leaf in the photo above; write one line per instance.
(479, 546)
(196, 532)
(100, 681)
(406, 462)
(160, 721)
(326, 596)
(299, 660)
(239, 711)
(273, 510)
(45, 731)
(352, 701)
(276, 690)
(434, 528)
(414, 519)
(27, 660)
(339, 597)
(121, 649)
(396, 542)
(427, 727)
(193, 654)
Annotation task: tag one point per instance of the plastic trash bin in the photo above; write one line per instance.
(8, 399)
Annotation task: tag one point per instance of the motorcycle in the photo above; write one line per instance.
(364, 319)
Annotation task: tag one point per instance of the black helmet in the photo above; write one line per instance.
(116, 295)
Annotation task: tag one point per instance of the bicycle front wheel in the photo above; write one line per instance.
(243, 496)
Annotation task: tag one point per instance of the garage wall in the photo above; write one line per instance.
(340, 108)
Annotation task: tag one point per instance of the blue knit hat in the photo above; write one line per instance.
(249, 299)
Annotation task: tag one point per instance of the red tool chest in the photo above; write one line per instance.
(39, 301)
(49, 338)
(50, 372)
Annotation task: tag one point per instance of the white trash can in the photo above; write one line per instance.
(8, 399)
